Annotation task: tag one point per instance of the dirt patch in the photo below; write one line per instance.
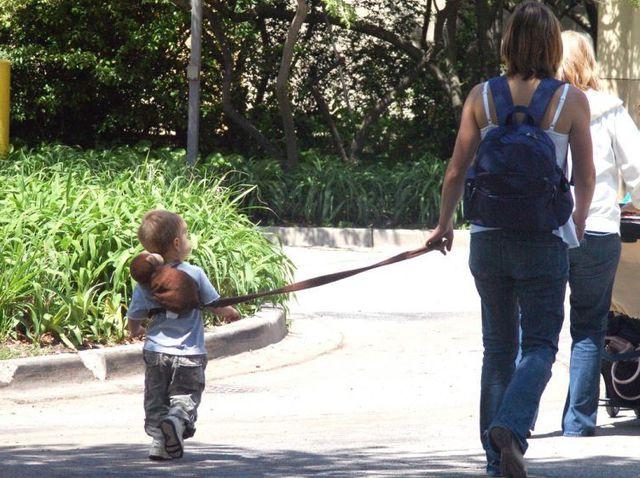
(15, 349)
(12, 349)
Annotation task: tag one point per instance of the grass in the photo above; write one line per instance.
(67, 234)
(323, 191)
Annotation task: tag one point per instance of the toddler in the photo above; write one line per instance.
(174, 353)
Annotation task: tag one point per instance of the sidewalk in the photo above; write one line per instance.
(378, 376)
(266, 327)
(438, 291)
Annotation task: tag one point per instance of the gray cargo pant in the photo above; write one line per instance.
(173, 386)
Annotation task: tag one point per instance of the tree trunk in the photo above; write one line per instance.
(488, 35)
(451, 83)
(282, 84)
(381, 106)
(326, 114)
(339, 61)
(227, 82)
(445, 45)
(226, 59)
(262, 84)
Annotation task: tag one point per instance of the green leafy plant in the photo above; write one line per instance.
(323, 191)
(68, 232)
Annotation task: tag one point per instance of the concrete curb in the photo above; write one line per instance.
(266, 327)
(354, 237)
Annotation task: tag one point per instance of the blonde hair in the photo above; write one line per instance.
(579, 66)
(531, 44)
(158, 230)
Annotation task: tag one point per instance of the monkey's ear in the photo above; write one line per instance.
(155, 259)
(142, 269)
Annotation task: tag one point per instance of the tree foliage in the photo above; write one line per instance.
(84, 71)
(365, 79)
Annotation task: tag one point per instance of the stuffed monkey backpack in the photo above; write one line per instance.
(173, 289)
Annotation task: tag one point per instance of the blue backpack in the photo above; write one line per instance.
(515, 182)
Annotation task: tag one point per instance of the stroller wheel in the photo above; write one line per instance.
(613, 411)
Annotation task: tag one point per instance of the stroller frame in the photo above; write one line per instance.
(613, 403)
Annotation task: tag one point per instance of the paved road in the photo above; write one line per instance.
(379, 377)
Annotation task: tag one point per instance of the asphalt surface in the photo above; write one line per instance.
(379, 376)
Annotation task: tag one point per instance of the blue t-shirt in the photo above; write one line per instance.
(169, 332)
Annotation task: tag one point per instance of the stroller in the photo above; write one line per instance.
(620, 366)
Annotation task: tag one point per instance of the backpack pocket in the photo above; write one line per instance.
(516, 201)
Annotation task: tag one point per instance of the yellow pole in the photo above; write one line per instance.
(5, 67)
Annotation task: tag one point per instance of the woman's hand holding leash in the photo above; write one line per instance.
(441, 239)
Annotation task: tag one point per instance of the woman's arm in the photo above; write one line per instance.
(626, 147)
(453, 185)
(584, 174)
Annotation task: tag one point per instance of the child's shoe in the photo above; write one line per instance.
(172, 429)
(157, 451)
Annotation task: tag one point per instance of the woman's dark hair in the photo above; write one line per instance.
(532, 42)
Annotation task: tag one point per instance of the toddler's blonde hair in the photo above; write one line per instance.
(158, 230)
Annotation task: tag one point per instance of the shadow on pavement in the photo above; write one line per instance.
(124, 460)
(629, 427)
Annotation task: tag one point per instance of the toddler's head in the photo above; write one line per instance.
(165, 233)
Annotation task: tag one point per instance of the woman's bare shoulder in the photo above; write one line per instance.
(475, 103)
(577, 100)
(575, 109)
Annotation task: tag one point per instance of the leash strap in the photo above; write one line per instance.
(324, 279)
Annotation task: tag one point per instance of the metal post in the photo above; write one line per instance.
(193, 75)
(5, 74)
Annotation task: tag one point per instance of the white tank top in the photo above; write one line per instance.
(566, 232)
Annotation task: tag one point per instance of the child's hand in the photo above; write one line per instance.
(228, 313)
(231, 314)
(136, 330)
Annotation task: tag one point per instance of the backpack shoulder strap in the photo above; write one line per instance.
(502, 99)
(542, 97)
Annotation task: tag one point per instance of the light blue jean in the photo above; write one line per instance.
(592, 271)
(514, 270)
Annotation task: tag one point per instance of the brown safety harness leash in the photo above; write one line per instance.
(325, 279)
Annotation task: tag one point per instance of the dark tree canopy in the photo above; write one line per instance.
(384, 80)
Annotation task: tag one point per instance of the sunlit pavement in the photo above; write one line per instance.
(378, 377)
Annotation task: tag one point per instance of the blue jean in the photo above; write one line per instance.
(592, 271)
(515, 270)
(518, 359)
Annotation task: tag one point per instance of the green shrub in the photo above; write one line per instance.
(68, 231)
(85, 72)
(70, 218)
(95, 73)
(323, 191)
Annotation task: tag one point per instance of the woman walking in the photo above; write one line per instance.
(515, 267)
(592, 266)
